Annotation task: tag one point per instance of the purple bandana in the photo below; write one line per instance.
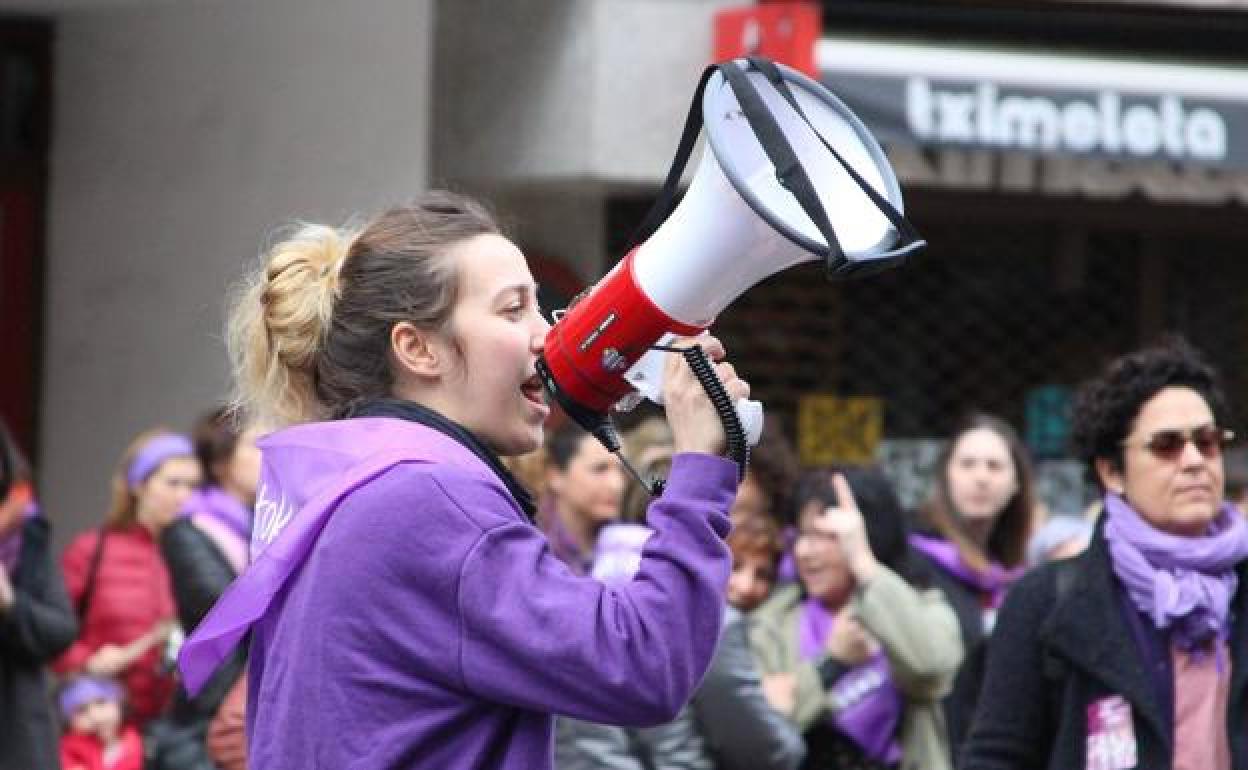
(866, 705)
(306, 472)
(991, 582)
(154, 452)
(1184, 584)
(220, 506)
(85, 689)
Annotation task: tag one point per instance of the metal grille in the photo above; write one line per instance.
(1014, 303)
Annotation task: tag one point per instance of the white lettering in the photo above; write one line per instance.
(271, 518)
(1141, 130)
(1206, 134)
(1080, 127)
(1031, 123)
(919, 108)
(981, 115)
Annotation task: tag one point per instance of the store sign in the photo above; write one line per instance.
(1106, 122)
(1133, 111)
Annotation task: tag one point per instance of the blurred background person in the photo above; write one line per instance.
(975, 526)
(1132, 654)
(205, 549)
(117, 578)
(871, 651)
(648, 446)
(36, 620)
(729, 723)
(1062, 536)
(584, 488)
(95, 736)
(770, 477)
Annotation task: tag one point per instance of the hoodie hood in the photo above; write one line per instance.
(306, 471)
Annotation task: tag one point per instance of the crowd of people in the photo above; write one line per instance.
(421, 574)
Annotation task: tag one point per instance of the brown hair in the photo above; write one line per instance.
(756, 535)
(1008, 542)
(309, 336)
(215, 436)
(123, 503)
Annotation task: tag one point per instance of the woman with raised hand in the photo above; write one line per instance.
(1135, 653)
(870, 649)
(976, 525)
(404, 610)
(117, 578)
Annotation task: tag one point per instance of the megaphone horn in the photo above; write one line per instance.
(790, 176)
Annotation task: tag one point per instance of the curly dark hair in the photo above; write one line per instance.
(1105, 408)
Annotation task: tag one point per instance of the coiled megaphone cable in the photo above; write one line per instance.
(737, 447)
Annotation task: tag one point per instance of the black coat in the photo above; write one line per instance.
(1063, 641)
(960, 703)
(199, 573)
(39, 626)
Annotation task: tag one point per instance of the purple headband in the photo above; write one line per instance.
(85, 689)
(153, 453)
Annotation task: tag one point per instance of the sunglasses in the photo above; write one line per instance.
(1209, 440)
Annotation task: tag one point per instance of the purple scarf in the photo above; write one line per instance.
(1183, 584)
(991, 582)
(220, 506)
(306, 472)
(11, 544)
(866, 705)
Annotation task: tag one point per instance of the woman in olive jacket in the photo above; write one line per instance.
(36, 622)
(869, 653)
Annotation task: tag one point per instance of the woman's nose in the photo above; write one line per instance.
(540, 330)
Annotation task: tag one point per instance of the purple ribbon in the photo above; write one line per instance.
(155, 451)
(865, 703)
(992, 582)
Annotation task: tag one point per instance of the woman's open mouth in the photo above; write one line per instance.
(534, 392)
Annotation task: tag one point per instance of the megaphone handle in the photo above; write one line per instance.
(738, 448)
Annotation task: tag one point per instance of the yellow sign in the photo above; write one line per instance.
(835, 429)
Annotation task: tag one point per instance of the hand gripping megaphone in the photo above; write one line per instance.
(790, 176)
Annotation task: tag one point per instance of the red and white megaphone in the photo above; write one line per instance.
(791, 175)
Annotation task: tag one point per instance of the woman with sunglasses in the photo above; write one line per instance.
(1135, 653)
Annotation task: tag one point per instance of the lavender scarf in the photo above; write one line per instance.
(1183, 584)
(216, 503)
(867, 705)
(991, 582)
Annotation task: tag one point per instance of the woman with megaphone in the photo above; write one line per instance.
(403, 609)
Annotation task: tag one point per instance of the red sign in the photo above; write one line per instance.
(785, 32)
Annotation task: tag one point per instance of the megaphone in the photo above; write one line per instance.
(790, 175)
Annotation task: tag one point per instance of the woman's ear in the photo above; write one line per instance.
(1110, 475)
(415, 351)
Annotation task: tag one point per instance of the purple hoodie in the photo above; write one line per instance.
(405, 613)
